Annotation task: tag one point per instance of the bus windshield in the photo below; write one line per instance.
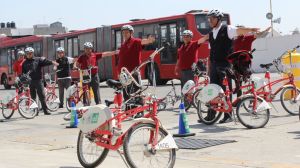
(203, 25)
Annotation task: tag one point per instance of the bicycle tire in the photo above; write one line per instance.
(251, 114)
(50, 101)
(7, 115)
(83, 161)
(28, 102)
(132, 160)
(294, 103)
(206, 117)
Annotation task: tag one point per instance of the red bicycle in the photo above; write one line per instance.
(22, 102)
(77, 93)
(191, 88)
(51, 98)
(251, 110)
(289, 90)
(145, 143)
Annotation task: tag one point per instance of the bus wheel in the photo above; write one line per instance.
(5, 82)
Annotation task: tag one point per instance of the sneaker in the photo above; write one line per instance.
(61, 106)
(225, 120)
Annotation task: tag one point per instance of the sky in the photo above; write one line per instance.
(83, 14)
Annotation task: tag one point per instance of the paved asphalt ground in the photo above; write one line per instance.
(44, 142)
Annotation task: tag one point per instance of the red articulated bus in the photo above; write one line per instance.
(108, 38)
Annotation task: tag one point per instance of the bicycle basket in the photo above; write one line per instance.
(70, 91)
(47, 78)
(94, 117)
(125, 79)
(25, 79)
(86, 76)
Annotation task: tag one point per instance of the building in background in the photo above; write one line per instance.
(10, 29)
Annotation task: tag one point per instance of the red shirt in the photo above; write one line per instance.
(188, 54)
(244, 42)
(86, 61)
(17, 67)
(130, 54)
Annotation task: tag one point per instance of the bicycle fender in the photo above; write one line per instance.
(285, 86)
(165, 144)
(147, 120)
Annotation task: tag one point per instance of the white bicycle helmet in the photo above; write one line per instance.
(88, 45)
(29, 50)
(215, 13)
(21, 53)
(187, 33)
(127, 27)
(60, 49)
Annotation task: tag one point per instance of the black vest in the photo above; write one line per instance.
(64, 66)
(220, 47)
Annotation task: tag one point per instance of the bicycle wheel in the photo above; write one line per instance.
(86, 99)
(51, 101)
(187, 100)
(249, 117)
(7, 112)
(204, 108)
(207, 117)
(27, 108)
(89, 153)
(138, 152)
(288, 100)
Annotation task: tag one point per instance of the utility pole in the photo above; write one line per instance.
(271, 19)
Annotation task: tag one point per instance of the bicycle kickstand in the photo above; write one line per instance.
(233, 117)
(124, 160)
(274, 107)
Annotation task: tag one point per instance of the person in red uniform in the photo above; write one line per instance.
(17, 67)
(130, 56)
(244, 42)
(187, 55)
(89, 59)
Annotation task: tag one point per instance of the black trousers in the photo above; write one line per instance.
(186, 75)
(94, 84)
(62, 85)
(37, 87)
(132, 88)
(217, 74)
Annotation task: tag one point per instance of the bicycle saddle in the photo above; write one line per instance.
(267, 66)
(114, 84)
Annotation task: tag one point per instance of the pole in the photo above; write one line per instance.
(271, 18)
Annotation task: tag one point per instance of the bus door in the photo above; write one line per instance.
(104, 44)
(168, 34)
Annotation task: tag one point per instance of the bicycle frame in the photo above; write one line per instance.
(120, 115)
(14, 102)
(77, 96)
(219, 105)
(269, 96)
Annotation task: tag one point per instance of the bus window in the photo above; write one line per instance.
(118, 39)
(3, 57)
(203, 25)
(9, 60)
(70, 48)
(75, 47)
(37, 49)
(168, 34)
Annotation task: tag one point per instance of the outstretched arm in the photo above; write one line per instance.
(109, 53)
(203, 39)
(244, 30)
(148, 40)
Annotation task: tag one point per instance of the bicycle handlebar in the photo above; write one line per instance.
(137, 69)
